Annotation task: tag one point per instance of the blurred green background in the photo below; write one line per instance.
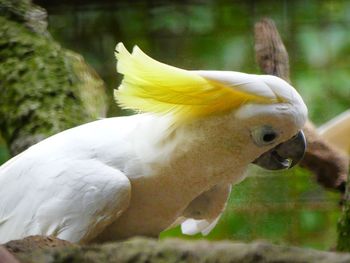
(284, 208)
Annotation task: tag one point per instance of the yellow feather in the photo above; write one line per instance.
(151, 86)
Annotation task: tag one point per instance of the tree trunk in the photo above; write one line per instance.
(44, 88)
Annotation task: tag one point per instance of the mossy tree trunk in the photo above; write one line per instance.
(44, 88)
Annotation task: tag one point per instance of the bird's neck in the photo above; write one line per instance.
(204, 149)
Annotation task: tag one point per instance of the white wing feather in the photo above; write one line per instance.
(203, 213)
(69, 185)
(194, 226)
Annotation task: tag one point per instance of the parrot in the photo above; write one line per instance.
(173, 163)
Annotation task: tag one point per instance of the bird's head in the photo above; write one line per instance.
(265, 110)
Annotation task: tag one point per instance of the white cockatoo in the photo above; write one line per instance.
(174, 163)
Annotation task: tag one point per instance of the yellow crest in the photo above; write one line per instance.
(151, 86)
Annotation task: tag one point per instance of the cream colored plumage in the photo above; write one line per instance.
(139, 175)
(337, 131)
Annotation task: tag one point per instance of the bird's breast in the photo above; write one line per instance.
(156, 202)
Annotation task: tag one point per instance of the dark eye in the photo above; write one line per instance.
(269, 136)
(264, 135)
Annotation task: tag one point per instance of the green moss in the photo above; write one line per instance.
(15, 9)
(344, 229)
(42, 90)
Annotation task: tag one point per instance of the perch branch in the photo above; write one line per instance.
(144, 250)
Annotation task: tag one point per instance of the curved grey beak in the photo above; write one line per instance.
(284, 155)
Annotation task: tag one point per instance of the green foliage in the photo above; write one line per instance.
(343, 243)
(4, 155)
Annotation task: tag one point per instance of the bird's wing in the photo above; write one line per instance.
(337, 131)
(73, 200)
(194, 226)
(203, 213)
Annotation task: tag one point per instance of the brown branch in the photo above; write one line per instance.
(271, 55)
(328, 164)
(32, 243)
(144, 250)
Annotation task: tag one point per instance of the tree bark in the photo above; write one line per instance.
(330, 166)
(44, 88)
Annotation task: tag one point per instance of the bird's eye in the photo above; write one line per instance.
(264, 135)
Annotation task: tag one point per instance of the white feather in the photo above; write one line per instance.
(65, 185)
(249, 83)
(194, 226)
